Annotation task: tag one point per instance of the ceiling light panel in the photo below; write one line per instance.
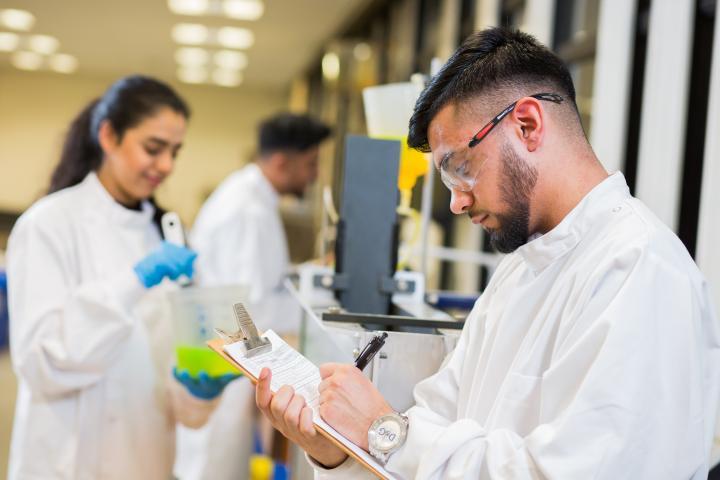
(192, 74)
(27, 60)
(43, 44)
(190, 33)
(235, 37)
(227, 78)
(191, 56)
(249, 10)
(8, 41)
(63, 63)
(17, 19)
(189, 7)
(243, 9)
(230, 60)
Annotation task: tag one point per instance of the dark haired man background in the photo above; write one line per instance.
(238, 231)
(239, 237)
(594, 352)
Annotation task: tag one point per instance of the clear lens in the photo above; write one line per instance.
(462, 182)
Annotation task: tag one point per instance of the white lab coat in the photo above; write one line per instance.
(594, 353)
(90, 346)
(239, 237)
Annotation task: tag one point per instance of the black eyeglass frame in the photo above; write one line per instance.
(484, 131)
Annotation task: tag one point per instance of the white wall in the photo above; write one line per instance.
(36, 108)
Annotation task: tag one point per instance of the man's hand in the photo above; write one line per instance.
(349, 402)
(289, 414)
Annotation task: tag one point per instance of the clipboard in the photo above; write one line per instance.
(218, 344)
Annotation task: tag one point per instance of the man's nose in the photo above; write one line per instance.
(460, 202)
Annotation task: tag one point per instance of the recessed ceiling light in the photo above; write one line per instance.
(63, 63)
(8, 41)
(188, 7)
(43, 44)
(243, 9)
(17, 19)
(235, 37)
(190, 33)
(191, 56)
(192, 74)
(331, 66)
(230, 60)
(27, 60)
(227, 78)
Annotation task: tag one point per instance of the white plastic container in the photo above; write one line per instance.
(196, 312)
(388, 109)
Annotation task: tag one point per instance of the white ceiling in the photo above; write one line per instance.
(117, 37)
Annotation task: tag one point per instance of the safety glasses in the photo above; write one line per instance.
(462, 175)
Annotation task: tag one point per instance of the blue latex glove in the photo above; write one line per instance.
(168, 260)
(203, 386)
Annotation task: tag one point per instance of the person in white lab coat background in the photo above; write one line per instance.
(594, 352)
(240, 239)
(90, 339)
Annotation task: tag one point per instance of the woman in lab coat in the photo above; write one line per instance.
(90, 343)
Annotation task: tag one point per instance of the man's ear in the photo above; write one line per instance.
(529, 122)
(107, 138)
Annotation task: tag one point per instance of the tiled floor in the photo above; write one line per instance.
(8, 387)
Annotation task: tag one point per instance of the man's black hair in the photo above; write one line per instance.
(488, 60)
(288, 131)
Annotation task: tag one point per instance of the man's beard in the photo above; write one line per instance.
(517, 182)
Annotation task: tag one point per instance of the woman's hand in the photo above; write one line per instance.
(169, 260)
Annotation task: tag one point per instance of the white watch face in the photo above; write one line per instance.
(387, 435)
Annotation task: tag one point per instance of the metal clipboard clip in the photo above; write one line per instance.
(247, 333)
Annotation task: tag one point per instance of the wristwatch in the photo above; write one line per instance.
(386, 435)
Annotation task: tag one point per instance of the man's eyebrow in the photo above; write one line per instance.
(445, 159)
(158, 140)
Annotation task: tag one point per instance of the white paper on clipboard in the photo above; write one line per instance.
(289, 367)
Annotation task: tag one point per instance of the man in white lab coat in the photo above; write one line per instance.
(594, 352)
(239, 237)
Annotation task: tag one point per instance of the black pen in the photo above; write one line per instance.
(370, 350)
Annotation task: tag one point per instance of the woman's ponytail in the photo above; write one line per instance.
(80, 153)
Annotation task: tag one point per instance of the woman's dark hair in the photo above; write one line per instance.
(125, 104)
(488, 60)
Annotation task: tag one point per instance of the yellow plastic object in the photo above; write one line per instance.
(196, 359)
(412, 166)
(261, 467)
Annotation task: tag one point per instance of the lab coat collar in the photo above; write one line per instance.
(265, 188)
(543, 250)
(108, 207)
